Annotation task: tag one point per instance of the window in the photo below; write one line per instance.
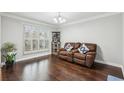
(35, 39)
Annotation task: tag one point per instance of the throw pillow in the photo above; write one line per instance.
(86, 48)
(83, 49)
(68, 47)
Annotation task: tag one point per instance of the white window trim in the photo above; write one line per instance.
(31, 38)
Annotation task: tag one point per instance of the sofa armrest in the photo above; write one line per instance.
(90, 57)
(91, 53)
(61, 49)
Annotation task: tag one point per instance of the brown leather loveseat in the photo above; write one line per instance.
(74, 55)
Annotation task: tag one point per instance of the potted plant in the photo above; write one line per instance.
(9, 53)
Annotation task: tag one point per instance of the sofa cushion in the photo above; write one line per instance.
(79, 61)
(80, 56)
(92, 47)
(77, 45)
(65, 53)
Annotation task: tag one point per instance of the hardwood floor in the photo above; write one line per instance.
(51, 68)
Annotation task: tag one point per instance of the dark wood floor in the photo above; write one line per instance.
(51, 68)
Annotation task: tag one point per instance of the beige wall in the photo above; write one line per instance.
(12, 31)
(105, 32)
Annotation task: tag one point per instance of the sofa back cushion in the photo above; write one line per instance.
(77, 45)
(92, 47)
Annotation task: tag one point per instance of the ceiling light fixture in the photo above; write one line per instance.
(59, 19)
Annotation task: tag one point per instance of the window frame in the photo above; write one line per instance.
(38, 38)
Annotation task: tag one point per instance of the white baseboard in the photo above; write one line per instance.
(108, 63)
(27, 58)
(113, 64)
(30, 57)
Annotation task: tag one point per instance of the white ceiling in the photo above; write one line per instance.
(47, 17)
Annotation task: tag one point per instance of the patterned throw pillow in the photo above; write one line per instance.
(83, 49)
(68, 47)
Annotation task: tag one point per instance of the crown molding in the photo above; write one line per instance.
(60, 25)
(90, 19)
(26, 19)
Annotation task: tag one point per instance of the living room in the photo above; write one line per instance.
(90, 41)
(105, 29)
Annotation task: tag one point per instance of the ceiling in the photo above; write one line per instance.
(47, 17)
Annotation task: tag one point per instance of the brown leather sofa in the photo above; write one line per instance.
(62, 53)
(75, 56)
